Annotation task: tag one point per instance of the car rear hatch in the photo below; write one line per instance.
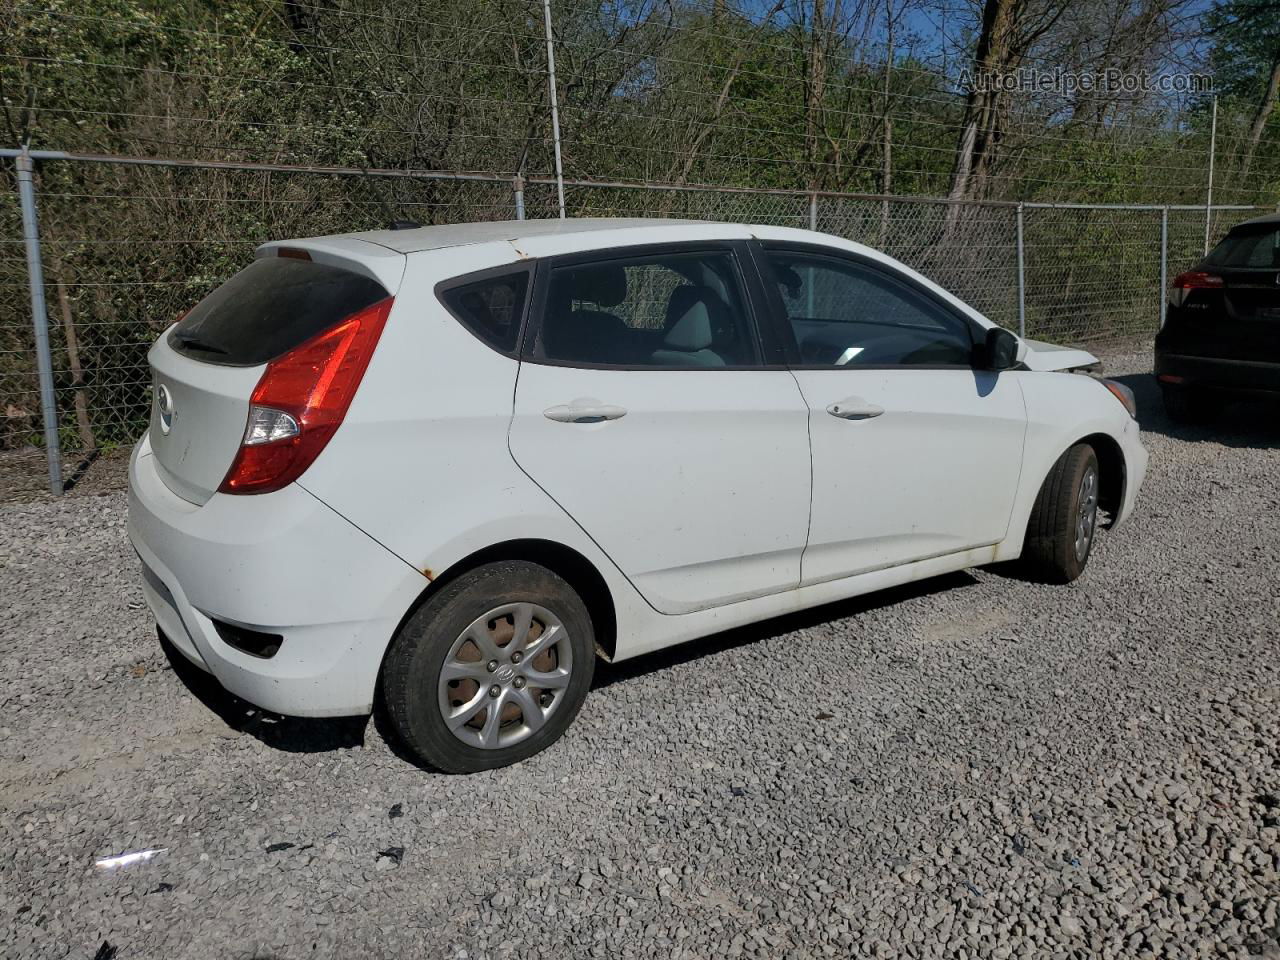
(206, 367)
(1252, 294)
(1238, 295)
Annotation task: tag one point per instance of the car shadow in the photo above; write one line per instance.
(290, 734)
(1250, 423)
(608, 674)
(305, 735)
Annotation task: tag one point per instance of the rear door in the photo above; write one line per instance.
(645, 408)
(205, 368)
(916, 454)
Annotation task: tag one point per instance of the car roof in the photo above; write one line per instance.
(418, 239)
(1269, 218)
(501, 243)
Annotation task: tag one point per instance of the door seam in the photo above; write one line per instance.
(547, 493)
(808, 432)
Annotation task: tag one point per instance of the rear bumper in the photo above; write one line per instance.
(1219, 374)
(280, 563)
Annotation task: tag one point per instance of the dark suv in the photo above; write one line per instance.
(1221, 336)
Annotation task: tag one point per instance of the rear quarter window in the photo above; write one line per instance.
(270, 307)
(492, 308)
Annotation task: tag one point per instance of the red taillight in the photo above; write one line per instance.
(300, 401)
(1196, 280)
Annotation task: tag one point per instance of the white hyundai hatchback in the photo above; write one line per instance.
(446, 468)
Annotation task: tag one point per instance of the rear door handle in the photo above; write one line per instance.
(854, 408)
(584, 410)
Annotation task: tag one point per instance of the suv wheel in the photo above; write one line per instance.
(491, 669)
(1064, 519)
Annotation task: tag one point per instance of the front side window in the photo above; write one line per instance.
(845, 314)
(666, 310)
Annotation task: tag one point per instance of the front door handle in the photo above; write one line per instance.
(854, 408)
(584, 410)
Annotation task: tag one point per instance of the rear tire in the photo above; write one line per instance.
(491, 669)
(1187, 405)
(1064, 519)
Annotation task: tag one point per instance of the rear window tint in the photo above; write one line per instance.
(270, 307)
(492, 308)
(1257, 246)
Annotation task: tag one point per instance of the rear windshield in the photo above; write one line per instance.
(270, 307)
(1256, 246)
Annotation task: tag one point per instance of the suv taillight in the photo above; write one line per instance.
(300, 401)
(1197, 280)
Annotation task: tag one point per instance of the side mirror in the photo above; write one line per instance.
(999, 350)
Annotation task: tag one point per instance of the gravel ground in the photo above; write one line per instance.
(973, 767)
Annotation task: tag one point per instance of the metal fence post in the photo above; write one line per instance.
(517, 187)
(1208, 197)
(555, 106)
(39, 318)
(813, 211)
(1164, 263)
(1022, 279)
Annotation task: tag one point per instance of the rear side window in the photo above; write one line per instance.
(270, 307)
(491, 308)
(668, 310)
(1257, 246)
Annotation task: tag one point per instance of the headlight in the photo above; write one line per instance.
(1124, 395)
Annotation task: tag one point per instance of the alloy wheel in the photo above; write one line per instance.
(505, 676)
(1087, 512)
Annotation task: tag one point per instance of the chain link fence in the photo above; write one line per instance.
(127, 247)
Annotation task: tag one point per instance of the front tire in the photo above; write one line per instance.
(1064, 520)
(491, 669)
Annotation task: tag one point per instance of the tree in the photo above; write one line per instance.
(1009, 29)
(1246, 50)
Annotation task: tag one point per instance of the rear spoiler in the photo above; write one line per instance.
(370, 259)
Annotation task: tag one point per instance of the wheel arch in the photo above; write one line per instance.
(1112, 473)
(566, 562)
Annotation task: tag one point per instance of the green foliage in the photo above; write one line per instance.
(1245, 36)
(683, 92)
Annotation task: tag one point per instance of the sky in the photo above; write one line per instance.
(939, 32)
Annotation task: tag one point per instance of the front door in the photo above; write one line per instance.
(916, 454)
(643, 409)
